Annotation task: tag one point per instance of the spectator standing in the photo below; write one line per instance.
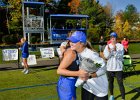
(97, 84)
(101, 46)
(109, 41)
(25, 54)
(114, 52)
(125, 43)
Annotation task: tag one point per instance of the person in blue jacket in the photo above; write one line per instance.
(25, 54)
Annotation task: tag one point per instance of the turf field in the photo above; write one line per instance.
(40, 84)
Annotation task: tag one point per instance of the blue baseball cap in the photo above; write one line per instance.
(78, 36)
(114, 34)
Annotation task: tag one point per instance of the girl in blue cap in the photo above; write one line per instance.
(114, 52)
(96, 85)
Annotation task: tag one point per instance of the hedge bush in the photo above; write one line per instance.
(33, 39)
(10, 39)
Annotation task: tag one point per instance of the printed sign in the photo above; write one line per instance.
(47, 52)
(10, 54)
(31, 60)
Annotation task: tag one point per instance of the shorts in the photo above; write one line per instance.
(101, 48)
(25, 55)
(66, 88)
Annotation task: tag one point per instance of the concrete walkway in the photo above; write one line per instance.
(135, 56)
(40, 63)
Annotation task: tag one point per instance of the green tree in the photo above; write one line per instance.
(15, 19)
(3, 20)
(100, 18)
(63, 7)
(131, 14)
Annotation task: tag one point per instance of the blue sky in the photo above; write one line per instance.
(118, 5)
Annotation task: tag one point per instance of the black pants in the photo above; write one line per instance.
(85, 95)
(119, 76)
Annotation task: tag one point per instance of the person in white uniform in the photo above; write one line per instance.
(89, 65)
(114, 52)
(96, 86)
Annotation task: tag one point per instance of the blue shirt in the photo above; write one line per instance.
(24, 49)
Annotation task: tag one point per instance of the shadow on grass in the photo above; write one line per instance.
(131, 73)
(30, 86)
(46, 67)
(134, 90)
(135, 97)
(42, 68)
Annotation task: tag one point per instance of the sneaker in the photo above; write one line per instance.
(26, 72)
(79, 82)
(23, 70)
(111, 97)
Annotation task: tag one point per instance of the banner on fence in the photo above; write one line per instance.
(31, 60)
(47, 52)
(9, 54)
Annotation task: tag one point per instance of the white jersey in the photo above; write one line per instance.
(114, 58)
(99, 85)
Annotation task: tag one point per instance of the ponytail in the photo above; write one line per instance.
(89, 46)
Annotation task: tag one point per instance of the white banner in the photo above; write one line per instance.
(31, 60)
(10, 54)
(47, 52)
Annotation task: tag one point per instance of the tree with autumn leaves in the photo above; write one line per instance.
(94, 10)
(127, 23)
(101, 19)
(15, 16)
(74, 5)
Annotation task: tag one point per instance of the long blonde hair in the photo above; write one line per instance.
(23, 40)
(89, 46)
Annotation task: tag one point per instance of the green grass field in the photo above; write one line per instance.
(133, 48)
(40, 84)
